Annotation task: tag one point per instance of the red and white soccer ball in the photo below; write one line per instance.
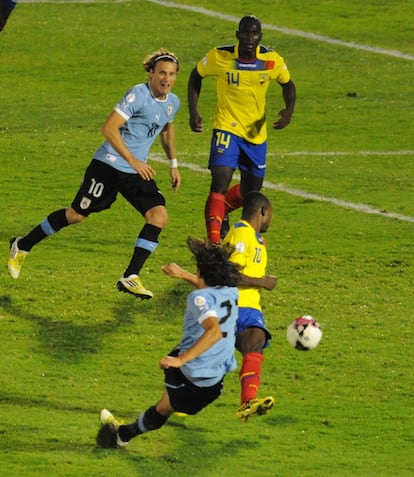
(304, 333)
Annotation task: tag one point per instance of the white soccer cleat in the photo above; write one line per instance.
(108, 419)
(16, 258)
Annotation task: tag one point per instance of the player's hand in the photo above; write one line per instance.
(144, 170)
(284, 120)
(269, 282)
(170, 362)
(196, 122)
(173, 270)
(175, 178)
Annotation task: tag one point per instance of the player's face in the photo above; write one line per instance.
(249, 37)
(162, 78)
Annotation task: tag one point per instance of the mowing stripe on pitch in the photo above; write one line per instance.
(365, 209)
(266, 26)
(288, 31)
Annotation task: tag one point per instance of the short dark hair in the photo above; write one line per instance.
(252, 203)
(213, 263)
(246, 20)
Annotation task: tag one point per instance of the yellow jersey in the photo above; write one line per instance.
(250, 253)
(241, 88)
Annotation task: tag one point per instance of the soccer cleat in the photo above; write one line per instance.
(111, 425)
(255, 407)
(225, 226)
(16, 258)
(134, 286)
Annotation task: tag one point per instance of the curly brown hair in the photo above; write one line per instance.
(213, 263)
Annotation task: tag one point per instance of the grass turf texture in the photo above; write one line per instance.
(72, 344)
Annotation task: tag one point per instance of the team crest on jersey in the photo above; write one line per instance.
(85, 203)
(169, 109)
(240, 247)
(199, 301)
(263, 78)
(130, 98)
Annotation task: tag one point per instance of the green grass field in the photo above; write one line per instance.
(342, 245)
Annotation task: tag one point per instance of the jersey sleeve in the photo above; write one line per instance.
(239, 238)
(129, 104)
(207, 66)
(281, 72)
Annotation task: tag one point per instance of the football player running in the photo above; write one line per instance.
(243, 73)
(120, 166)
(195, 369)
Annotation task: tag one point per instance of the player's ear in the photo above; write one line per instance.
(263, 211)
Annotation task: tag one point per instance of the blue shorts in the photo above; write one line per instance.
(252, 318)
(229, 150)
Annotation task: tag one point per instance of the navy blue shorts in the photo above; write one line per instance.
(252, 318)
(229, 150)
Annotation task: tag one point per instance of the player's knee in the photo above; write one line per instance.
(220, 179)
(74, 217)
(157, 216)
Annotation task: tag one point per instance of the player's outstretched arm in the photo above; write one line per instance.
(268, 282)
(175, 271)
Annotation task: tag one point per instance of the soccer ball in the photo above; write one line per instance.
(304, 333)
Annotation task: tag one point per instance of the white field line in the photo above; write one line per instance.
(288, 31)
(266, 26)
(365, 209)
(74, 1)
(330, 153)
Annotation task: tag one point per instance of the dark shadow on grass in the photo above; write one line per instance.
(67, 341)
(172, 301)
(43, 402)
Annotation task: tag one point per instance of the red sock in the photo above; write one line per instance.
(233, 199)
(214, 213)
(250, 375)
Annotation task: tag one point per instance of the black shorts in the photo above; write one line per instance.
(184, 395)
(102, 183)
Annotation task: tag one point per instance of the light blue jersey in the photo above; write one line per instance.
(220, 302)
(145, 117)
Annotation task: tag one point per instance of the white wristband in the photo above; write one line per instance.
(173, 163)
